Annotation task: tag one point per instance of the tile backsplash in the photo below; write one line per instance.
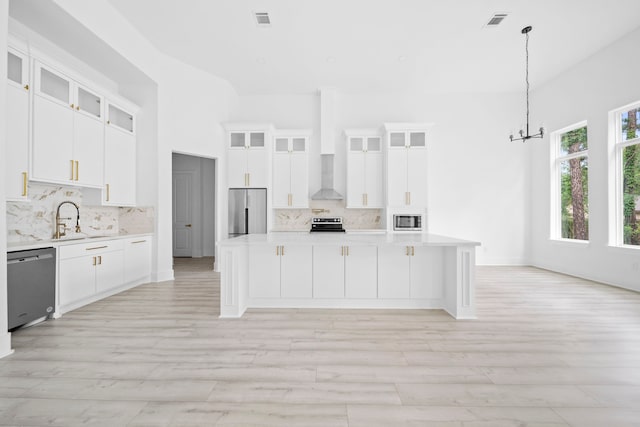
(300, 219)
(35, 219)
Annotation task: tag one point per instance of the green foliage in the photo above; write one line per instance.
(574, 140)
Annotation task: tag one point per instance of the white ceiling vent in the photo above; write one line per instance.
(495, 20)
(262, 19)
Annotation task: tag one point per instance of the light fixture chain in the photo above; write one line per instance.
(526, 49)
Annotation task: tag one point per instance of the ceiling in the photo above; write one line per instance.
(376, 45)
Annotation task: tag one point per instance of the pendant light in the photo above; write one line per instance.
(524, 133)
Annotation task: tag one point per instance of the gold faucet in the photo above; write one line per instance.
(60, 223)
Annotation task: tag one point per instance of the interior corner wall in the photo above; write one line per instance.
(5, 337)
(589, 91)
(478, 181)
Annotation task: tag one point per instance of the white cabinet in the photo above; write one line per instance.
(279, 271)
(137, 260)
(364, 170)
(345, 271)
(119, 165)
(68, 131)
(16, 161)
(410, 272)
(88, 269)
(248, 159)
(291, 171)
(406, 167)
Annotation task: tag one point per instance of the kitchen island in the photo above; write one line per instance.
(343, 270)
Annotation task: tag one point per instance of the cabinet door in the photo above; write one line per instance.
(237, 168)
(427, 276)
(52, 150)
(54, 86)
(397, 177)
(120, 118)
(393, 272)
(373, 180)
(328, 271)
(257, 168)
(361, 274)
(119, 168)
(264, 271)
(355, 179)
(296, 271)
(88, 150)
(109, 271)
(16, 162)
(137, 259)
(417, 177)
(76, 279)
(281, 180)
(299, 180)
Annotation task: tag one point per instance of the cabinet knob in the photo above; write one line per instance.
(73, 106)
(188, 225)
(78, 107)
(26, 87)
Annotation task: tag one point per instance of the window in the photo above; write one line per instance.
(570, 214)
(627, 169)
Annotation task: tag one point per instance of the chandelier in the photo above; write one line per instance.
(524, 133)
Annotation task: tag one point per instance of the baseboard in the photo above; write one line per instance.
(162, 276)
(584, 277)
(5, 345)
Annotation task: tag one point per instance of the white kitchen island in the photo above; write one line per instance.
(343, 270)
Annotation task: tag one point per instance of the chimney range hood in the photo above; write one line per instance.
(327, 146)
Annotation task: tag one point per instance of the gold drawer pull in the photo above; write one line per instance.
(24, 183)
(97, 247)
(138, 241)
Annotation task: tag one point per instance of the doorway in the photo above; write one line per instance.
(193, 206)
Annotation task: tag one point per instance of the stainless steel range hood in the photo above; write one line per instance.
(327, 146)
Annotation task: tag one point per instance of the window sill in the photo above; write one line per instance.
(571, 242)
(629, 249)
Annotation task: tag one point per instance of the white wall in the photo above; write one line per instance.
(603, 82)
(478, 180)
(5, 338)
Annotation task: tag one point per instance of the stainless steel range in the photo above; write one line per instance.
(327, 224)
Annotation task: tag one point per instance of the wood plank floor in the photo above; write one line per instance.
(547, 350)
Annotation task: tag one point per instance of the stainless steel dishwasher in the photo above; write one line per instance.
(31, 285)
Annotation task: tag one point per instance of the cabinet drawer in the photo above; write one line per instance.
(83, 249)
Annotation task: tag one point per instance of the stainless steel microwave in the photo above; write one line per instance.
(407, 222)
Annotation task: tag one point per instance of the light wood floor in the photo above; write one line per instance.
(547, 350)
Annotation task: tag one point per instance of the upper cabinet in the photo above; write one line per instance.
(119, 158)
(406, 147)
(291, 169)
(16, 162)
(248, 156)
(364, 169)
(68, 130)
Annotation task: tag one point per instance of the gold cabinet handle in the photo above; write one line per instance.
(73, 106)
(277, 250)
(138, 241)
(409, 193)
(413, 250)
(77, 170)
(249, 180)
(108, 192)
(289, 199)
(96, 247)
(366, 199)
(407, 198)
(246, 180)
(188, 225)
(407, 250)
(77, 107)
(72, 171)
(282, 250)
(24, 183)
(341, 250)
(100, 260)
(347, 250)
(94, 260)
(26, 87)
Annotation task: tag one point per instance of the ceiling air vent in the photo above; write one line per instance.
(496, 19)
(262, 19)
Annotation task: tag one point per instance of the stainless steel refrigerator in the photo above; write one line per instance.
(247, 211)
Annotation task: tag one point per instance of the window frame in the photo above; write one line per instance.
(556, 158)
(616, 148)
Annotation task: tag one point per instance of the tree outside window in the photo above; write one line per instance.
(630, 162)
(573, 169)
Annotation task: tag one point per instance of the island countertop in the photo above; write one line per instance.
(329, 238)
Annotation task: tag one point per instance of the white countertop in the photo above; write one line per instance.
(328, 238)
(71, 240)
